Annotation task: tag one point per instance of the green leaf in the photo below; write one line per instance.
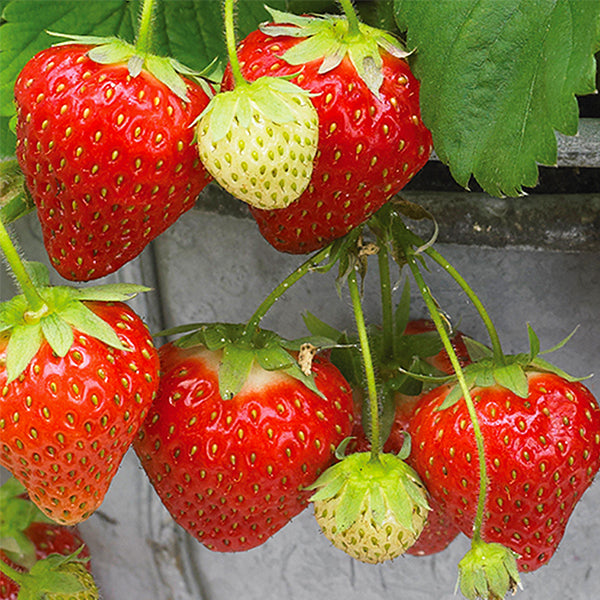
(498, 78)
(23, 345)
(349, 507)
(189, 31)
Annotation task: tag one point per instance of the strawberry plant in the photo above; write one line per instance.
(400, 434)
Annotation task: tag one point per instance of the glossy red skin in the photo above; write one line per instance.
(232, 473)
(541, 455)
(67, 422)
(439, 530)
(355, 128)
(101, 200)
(47, 539)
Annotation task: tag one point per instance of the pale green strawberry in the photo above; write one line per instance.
(371, 508)
(259, 141)
(56, 577)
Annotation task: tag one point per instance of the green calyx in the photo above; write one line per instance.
(17, 514)
(112, 50)
(510, 372)
(63, 310)
(275, 98)
(488, 571)
(241, 350)
(378, 487)
(331, 38)
(56, 577)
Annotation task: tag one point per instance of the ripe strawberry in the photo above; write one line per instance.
(27, 536)
(259, 141)
(542, 452)
(371, 138)
(108, 157)
(372, 509)
(76, 380)
(233, 471)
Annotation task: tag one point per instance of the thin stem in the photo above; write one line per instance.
(437, 319)
(460, 280)
(143, 43)
(254, 321)
(367, 363)
(487, 321)
(387, 308)
(230, 41)
(353, 22)
(35, 301)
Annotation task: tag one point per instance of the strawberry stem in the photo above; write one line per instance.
(387, 309)
(439, 324)
(367, 363)
(353, 22)
(413, 239)
(143, 42)
(253, 323)
(37, 305)
(236, 70)
(487, 321)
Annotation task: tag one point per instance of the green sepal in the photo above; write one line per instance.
(15, 199)
(330, 39)
(56, 576)
(272, 97)
(488, 571)
(23, 345)
(377, 485)
(17, 513)
(112, 50)
(242, 349)
(64, 309)
(234, 370)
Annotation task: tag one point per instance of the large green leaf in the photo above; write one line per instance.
(190, 31)
(498, 78)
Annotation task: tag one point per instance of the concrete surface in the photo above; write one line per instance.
(213, 267)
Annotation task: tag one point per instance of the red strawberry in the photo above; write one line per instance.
(76, 381)
(542, 452)
(233, 472)
(371, 138)
(32, 537)
(108, 158)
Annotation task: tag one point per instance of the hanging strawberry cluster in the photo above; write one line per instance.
(402, 434)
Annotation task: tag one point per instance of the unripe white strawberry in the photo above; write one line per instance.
(371, 508)
(259, 141)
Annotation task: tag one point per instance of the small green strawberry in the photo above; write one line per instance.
(56, 577)
(259, 141)
(371, 508)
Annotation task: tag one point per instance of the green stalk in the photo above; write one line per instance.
(230, 41)
(437, 319)
(367, 363)
(143, 42)
(35, 301)
(387, 307)
(489, 325)
(410, 238)
(253, 323)
(353, 22)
